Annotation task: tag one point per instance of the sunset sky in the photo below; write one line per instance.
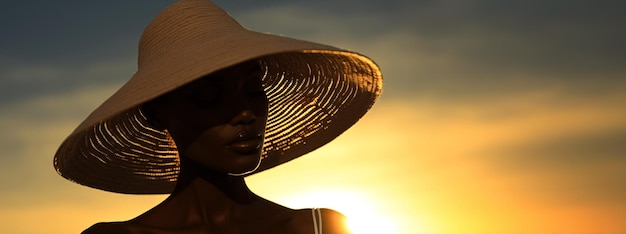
(496, 116)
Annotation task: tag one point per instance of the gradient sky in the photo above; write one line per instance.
(496, 116)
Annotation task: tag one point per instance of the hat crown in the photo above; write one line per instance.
(181, 24)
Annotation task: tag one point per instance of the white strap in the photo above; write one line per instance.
(318, 230)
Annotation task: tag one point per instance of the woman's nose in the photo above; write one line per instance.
(245, 116)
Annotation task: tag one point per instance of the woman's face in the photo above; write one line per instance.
(218, 122)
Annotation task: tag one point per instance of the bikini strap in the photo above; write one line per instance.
(317, 220)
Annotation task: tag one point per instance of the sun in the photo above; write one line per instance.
(363, 216)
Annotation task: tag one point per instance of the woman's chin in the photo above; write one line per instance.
(242, 172)
(246, 167)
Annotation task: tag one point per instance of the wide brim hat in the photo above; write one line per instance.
(315, 93)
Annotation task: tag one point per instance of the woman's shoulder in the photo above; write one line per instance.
(109, 227)
(129, 227)
(303, 221)
(330, 213)
(330, 221)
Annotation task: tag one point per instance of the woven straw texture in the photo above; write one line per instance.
(315, 92)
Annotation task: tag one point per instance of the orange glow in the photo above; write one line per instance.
(408, 167)
(363, 217)
(426, 168)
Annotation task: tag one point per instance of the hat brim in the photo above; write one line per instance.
(315, 92)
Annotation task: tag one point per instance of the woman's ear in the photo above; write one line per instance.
(150, 110)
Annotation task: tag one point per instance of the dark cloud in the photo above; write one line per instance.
(451, 49)
(53, 30)
(470, 49)
(498, 47)
(54, 47)
(26, 81)
(572, 151)
(587, 167)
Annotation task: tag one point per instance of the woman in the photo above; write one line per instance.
(211, 103)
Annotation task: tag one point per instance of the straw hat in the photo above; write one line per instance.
(315, 93)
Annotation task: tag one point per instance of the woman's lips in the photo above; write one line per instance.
(246, 146)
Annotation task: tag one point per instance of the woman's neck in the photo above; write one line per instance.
(202, 197)
(209, 183)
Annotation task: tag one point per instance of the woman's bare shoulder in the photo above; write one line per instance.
(333, 222)
(333, 214)
(130, 227)
(110, 227)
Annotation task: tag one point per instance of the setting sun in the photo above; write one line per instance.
(363, 217)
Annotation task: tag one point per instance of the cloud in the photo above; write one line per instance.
(582, 150)
(453, 50)
(467, 50)
(23, 81)
(32, 130)
(43, 31)
(588, 167)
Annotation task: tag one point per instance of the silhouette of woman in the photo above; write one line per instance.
(210, 103)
